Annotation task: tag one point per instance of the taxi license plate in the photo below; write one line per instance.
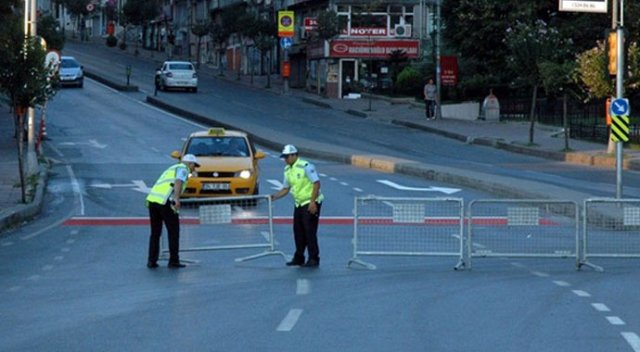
(215, 187)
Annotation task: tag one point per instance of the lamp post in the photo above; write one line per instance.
(30, 32)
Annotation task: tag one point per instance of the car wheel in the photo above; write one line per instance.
(195, 90)
(81, 84)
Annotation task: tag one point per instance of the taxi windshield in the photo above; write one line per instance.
(218, 146)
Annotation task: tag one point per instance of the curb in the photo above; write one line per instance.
(110, 83)
(24, 212)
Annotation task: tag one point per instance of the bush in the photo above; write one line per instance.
(123, 46)
(409, 82)
(112, 41)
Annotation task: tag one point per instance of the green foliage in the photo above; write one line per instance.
(327, 25)
(594, 75)
(409, 81)
(139, 12)
(77, 8)
(558, 77)
(112, 41)
(48, 29)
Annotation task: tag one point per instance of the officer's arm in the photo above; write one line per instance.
(315, 191)
(177, 189)
(281, 193)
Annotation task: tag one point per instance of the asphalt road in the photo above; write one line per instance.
(86, 287)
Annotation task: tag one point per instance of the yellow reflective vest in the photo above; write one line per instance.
(163, 188)
(300, 185)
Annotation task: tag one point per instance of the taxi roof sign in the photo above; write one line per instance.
(216, 131)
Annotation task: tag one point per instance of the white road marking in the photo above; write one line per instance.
(539, 274)
(58, 257)
(14, 288)
(56, 224)
(632, 339)
(65, 249)
(601, 307)
(344, 184)
(322, 175)
(70, 241)
(581, 293)
(333, 179)
(74, 232)
(478, 245)
(517, 265)
(419, 189)
(34, 277)
(615, 321)
(562, 283)
(357, 189)
(7, 244)
(303, 287)
(290, 320)
(277, 185)
(76, 188)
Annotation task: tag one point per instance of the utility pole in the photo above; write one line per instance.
(29, 34)
(438, 76)
(619, 91)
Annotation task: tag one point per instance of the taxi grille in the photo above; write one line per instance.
(218, 174)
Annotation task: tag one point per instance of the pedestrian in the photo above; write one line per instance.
(430, 99)
(301, 179)
(163, 202)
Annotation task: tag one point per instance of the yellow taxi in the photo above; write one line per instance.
(228, 164)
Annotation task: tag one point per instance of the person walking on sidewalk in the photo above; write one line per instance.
(430, 99)
(301, 179)
(163, 202)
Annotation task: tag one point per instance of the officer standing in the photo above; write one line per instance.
(301, 179)
(163, 202)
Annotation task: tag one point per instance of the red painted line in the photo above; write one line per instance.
(335, 220)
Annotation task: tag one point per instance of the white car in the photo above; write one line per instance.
(71, 73)
(177, 74)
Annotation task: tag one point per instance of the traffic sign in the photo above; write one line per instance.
(285, 24)
(91, 7)
(620, 128)
(52, 60)
(285, 43)
(620, 107)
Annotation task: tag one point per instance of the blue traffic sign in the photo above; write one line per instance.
(620, 107)
(285, 43)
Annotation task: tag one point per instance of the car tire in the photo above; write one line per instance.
(195, 90)
(81, 84)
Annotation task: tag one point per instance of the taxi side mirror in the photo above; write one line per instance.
(259, 155)
(176, 154)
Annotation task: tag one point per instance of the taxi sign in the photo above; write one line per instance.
(620, 107)
(216, 131)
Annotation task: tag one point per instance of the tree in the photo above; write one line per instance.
(267, 33)
(200, 30)
(327, 29)
(559, 78)
(139, 13)
(48, 29)
(78, 10)
(529, 45)
(219, 34)
(24, 79)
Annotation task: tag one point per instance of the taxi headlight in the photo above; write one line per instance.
(245, 174)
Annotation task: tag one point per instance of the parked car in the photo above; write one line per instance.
(228, 164)
(176, 74)
(71, 73)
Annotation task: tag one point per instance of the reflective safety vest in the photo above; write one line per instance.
(163, 188)
(300, 185)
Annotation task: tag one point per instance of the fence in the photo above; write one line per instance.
(386, 226)
(522, 228)
(228, 223)
(611, 228)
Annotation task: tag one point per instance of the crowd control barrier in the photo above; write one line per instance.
(227, 223)
(386, 226)
(522, 228)
(611, 228)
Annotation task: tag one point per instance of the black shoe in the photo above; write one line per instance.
(152, 265)
(175, 265)
(312, 263)
(295, 262)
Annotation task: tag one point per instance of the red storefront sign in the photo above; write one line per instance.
(310, 23)
(449, 70)
(380, 49)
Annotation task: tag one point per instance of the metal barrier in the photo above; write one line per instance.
(407, 227)
(611, 228)
(522, 228)
(227, 223)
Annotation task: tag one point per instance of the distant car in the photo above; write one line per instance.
(177, 74)
(228, 164)
(71, 73)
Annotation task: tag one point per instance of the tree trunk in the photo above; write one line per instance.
(19, 119)
(198, 52)
(532, 113)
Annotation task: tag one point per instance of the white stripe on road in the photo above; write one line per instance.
(539, 274)
(581, 293)
(344, 184)
(357, 189)
(633, 340)
(562, 283)
(601, 307)
(7, 244)
(303, 287)
(615, 321)
(290, 320)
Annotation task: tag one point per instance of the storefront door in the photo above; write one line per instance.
(348, 76)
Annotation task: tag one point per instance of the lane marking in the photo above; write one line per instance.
(615, 321)
(58, 257)
(74, 232)
(70, 241)
(290, 320)
(539, 274)
(581, 293)
(333, 179)
(76, 188)
(7, 244)
(517, 265)
(420, 189)
(357, 189)
(561, 283)
(65, 249)
(34, 277)
(14, 288)
(344, 184)
(632, 339)
(303, 287)
(601, 307)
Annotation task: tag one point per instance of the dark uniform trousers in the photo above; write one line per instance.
(159, 213)
(305, 230)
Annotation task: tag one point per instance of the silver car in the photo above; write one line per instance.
(71, 73)
(177, 74)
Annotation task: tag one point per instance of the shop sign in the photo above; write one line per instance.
(310, 24)
(449, 70)
(366, 32)
(599, 6)
(285, 24)
(380, 49)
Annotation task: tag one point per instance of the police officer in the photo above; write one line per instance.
(301, 179)
(163, 202)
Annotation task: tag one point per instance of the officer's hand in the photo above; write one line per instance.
(313, 208)
(177, 204)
